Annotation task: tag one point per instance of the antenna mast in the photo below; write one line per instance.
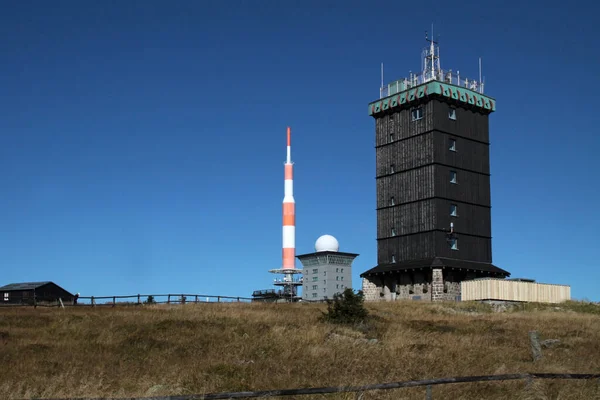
(431, 67)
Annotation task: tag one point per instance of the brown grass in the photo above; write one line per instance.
(170, 350)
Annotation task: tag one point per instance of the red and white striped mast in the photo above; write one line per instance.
(289, 211)
(288, 253)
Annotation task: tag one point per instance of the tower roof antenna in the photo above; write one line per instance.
(431, 60)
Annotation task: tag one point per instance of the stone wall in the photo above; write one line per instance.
(371, 290)
(437, 285)
(440, 285)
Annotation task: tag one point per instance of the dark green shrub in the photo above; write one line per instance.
(150, 300)
(346, 308)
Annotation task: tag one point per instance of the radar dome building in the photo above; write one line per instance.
(327, 271)
(327, 243)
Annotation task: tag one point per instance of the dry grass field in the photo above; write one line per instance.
(203, 348)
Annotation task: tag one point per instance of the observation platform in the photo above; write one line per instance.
(440, 83)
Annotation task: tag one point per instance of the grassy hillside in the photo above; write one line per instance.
(161, 350)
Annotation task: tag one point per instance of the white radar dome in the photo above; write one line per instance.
(327, 243)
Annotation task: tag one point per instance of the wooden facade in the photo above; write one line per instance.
(513, 290)
(415, 163)
(432, 172)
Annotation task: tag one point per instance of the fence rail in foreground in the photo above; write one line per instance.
(346, 389)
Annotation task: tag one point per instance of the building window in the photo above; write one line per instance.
(391, 136)
(452, 113)
(315, 271)
(315, 278)
(393, 231)
(392, 202)
(392, 168)
(337, 270)
(324, 273)
(452, 146)
(337, 286)
(315, 287)
(314, 295)
(342, 269)
(393, 258)
(417, 113)
(453, 210)
(454, 244)
(5, 296)
(453, 176)
(337, 278)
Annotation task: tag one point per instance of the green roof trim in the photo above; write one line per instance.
(433, 88)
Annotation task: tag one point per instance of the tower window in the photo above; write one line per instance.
(391, 136)
(452, 113)
(417, 113)
(453, 176)
(392, 168)
(393, 258)
(454, 244)
(392, 202)
(452, 146)
(342, 269)
(453, 210)
(393, 231)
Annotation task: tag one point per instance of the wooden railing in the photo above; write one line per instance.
(428, 383)
(136, 299)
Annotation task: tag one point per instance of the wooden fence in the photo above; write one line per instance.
(428, 383)
(136, 299)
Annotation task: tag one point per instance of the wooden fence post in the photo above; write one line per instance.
(169, 299)
(93, 303)
(196, 300)
(114, 301)
(139, 300)
(218, 299)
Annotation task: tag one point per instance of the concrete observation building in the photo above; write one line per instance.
(327, 271)
(433, 185)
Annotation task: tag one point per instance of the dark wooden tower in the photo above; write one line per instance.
(433, 185)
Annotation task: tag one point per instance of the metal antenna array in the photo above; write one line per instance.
(431, 61)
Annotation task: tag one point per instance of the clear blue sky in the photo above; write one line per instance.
(142, 142)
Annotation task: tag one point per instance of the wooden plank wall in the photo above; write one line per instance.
(499, 289)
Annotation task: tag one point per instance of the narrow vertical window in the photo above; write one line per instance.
(392, 168)
(393, 231)
(393, 258)
(454, 244)
(391, 136)
(392, 202)
(452, 113)
(453, 210)
(453, 176)
(417, 113)
(452, 146)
